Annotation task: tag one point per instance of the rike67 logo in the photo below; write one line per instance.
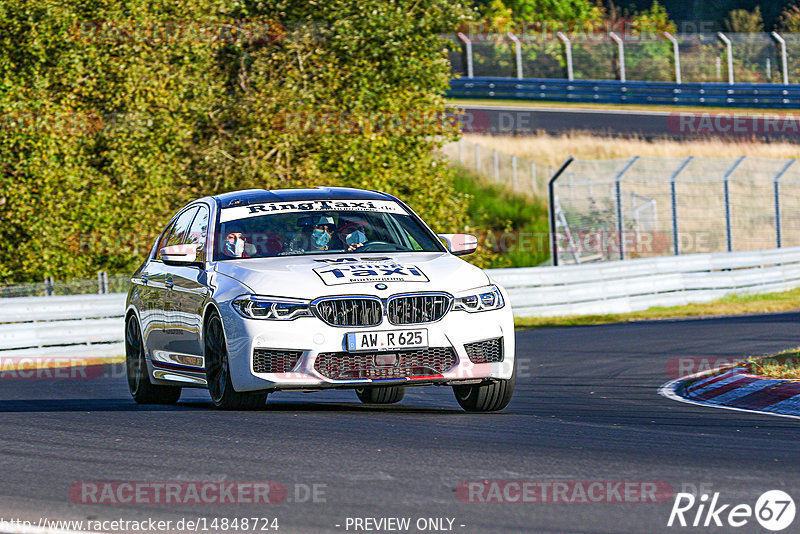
(774, 510)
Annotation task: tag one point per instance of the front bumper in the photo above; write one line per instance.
(311, 337)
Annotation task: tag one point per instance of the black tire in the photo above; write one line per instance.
(218, 373)
(381, 395)
(489, 397)
(142, 390)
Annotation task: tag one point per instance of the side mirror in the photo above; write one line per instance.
(180, 254)
(460, 244)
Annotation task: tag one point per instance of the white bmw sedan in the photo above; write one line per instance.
(257, 291)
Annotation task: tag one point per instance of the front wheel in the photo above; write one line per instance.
(218, 372)
(142, 390)
(489, 397)
(381, 395)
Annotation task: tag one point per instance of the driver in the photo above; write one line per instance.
(352, 233)
(235, 241)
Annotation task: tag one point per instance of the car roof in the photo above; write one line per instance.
(260, 196)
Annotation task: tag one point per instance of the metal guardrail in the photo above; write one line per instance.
(759, 95)
(91, 325)
(63, 326)
(633, 285)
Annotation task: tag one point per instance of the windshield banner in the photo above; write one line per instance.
(257, 210)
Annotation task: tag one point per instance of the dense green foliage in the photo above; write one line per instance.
(513, 229)
(114, 115)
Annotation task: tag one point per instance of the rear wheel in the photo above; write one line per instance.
(489, 397)
(142, 390)
(218, 372)
(381, 395)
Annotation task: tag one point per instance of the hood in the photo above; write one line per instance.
(310, 277)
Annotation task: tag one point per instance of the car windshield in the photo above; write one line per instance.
(319, 227)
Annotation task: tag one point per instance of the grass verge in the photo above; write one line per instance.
(552, 150)
(785, 364)
(739, 304)
(508, 223)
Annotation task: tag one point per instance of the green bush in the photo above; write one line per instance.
(114, 115)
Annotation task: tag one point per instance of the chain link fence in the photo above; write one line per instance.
(607, 210)
(655, 57)
(104, 283)
(517, 174)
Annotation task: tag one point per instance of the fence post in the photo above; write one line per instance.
(551, 208)
(777, 186)
(518, 53)
(568, 49)
(513, 173)
(534, 183)
(496, 158)
(49, 290)
(620, 54)
(725, 178)
(784, 63)
(677, 55)
(468, 44)
(618, 188)
(729, 47)
(461, 151)
(477, 158)
(674, 196)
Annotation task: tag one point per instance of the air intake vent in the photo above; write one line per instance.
(418, 308)
(488, 351)
(275, 361)
(404, 364)
(349, 311)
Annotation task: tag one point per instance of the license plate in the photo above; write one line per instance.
(387, 340)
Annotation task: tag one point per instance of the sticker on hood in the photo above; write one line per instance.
(354, 273)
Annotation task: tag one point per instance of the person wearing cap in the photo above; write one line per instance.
(235, 241)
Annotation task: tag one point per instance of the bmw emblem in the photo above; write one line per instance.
(380, 286)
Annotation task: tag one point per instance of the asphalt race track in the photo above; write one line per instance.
(586, 409)
(675, 124)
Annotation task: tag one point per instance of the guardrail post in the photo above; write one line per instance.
(517, 53)
(49, 288)
(461, 151)
(568, 49)
(551, 208)
(729, 48)
(496, 158)
(676, 54)
(468, 44)
(674, 196)
(784, 63)
(777, 187)
(618, 188)
(620, 54)
(534, 183)
(514, 173)
(725, 180)
(477, 158)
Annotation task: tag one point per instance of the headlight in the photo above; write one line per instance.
(483, 299)
(276, 309)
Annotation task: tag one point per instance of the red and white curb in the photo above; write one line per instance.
(736, 389)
